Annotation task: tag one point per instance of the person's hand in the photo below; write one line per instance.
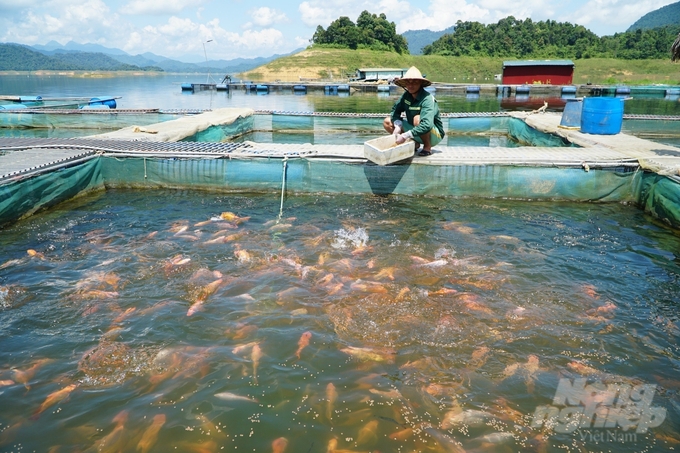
(401, 138)
(397, 128)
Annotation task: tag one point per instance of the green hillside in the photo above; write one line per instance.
(668, 15)
(337, 64)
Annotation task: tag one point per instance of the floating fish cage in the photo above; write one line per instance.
(622, 91)
(568, 90)
(503, 91)
(281, 289)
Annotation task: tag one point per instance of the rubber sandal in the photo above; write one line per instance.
(425, 153)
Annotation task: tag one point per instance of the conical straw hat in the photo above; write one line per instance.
(413, 74)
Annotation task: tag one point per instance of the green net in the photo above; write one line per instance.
(659, 196)
(24, 197)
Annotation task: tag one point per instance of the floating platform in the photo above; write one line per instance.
(619, 168)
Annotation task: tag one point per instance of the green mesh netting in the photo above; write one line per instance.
(96, 121)
(309, 175)
(24, 197)
(659, 196)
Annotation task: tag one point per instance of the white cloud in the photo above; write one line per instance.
(179, 37)
(268, 38)
(313, 15)
(301, 42)
(265, 17)
(73, 20)
(158, 7)
(619, 15)
(442, 14)
(323, 12)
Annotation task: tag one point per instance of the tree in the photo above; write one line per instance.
(371, 31)
(514, 38)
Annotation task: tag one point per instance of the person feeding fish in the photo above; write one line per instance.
(423, 122)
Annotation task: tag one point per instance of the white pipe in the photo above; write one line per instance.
(283, 185)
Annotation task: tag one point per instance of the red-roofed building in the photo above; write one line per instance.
(530, 72)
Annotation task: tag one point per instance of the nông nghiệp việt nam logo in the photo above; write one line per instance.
(579, 405)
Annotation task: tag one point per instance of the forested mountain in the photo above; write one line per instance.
(15, 57)
(417, 39)
(371, 31)
(74, 46)
(514, 38)
(668, 15)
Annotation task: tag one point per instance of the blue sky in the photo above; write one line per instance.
(180, 29)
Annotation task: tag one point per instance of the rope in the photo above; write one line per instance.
(283, 185)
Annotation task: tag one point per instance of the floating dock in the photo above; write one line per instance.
(619, 168)
(471, 88)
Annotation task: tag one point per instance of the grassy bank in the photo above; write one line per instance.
(337, 64)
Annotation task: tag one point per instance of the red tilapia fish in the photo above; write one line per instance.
(303, 342)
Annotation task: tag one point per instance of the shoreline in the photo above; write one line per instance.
(364, 86)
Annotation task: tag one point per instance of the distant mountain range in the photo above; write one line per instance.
(74, 56)
(662, 17)
(417, 39)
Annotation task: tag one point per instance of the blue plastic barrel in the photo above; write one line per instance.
(262, 88)
(108, 101)
(31, 98)
(622, 90)
(299, 89)
(523, 89)
(472, 89)
(602, 115)
(343, 88)
(569, 89)
(222, 87)
(673, 91)
(571, 115)
(187, 87)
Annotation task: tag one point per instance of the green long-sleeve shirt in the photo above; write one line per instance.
(424, 105)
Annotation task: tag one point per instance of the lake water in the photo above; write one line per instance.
(163, 320)
(164, 92)
(154, 321)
